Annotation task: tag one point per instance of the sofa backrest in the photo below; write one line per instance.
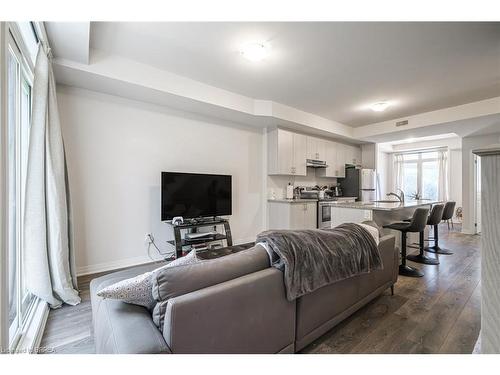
(177, 281)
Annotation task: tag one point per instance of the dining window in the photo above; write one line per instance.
(423, 174)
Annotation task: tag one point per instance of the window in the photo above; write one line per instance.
(420, 174)
(19, 87)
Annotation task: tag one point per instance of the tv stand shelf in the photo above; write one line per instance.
(179, 241)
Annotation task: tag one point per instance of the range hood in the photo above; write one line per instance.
(316, 163)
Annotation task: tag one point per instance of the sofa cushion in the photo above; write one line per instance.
(176, 281)
(138, 290)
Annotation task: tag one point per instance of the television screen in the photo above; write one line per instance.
(192, 195)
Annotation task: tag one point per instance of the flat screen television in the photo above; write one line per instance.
(193, 195)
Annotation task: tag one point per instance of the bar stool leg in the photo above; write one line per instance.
(421, 257)
(405, 270)
(436, 249)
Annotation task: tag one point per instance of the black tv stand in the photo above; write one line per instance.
(192, 225)
(205, 220)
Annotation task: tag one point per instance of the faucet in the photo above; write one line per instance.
(400, 197)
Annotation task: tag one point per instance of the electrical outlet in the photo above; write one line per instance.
(148, 238)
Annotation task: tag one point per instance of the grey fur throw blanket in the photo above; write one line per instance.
(314, 258)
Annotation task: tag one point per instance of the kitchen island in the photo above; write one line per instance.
(381, 213)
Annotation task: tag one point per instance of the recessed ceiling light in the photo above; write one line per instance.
(255, 51)
(380, 106)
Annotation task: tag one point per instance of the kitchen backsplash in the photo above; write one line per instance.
(277, 184)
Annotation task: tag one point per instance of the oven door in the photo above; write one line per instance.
(324, 216)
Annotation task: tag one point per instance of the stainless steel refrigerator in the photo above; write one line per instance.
(360, 183)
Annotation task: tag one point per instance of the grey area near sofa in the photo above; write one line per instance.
(246, 313)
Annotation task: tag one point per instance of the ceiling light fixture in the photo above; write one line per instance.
(255, 51)
(380, 106)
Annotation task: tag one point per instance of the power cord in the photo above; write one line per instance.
(166, 256)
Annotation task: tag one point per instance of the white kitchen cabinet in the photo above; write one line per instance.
(292, 215)
(331, 161)
(357, 155)
(286, 153)
(316, 148)
(310, 215)
(299, 155)
(352, 155)
(335, 159)
(349, 154)
(341, 160)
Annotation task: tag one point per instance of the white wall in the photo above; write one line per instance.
(469, 144)
(116, 149)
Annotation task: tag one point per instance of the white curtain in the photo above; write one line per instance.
(50, 270)
(443, 175)
(398, 172)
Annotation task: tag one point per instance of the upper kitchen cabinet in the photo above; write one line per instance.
(354, 155)
(316, 148)
(287, 153)
(341, 159)
(351, 154)
(333, 168)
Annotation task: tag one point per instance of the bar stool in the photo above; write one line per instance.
(449, 207)
(417, 224)
(433, 219)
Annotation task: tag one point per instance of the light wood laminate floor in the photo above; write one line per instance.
(439, 313)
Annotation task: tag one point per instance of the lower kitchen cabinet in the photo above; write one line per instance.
(292, 215)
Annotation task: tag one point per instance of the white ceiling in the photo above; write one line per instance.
(330, 69)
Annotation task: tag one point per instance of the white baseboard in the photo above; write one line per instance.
(110, 266)
(129, 262)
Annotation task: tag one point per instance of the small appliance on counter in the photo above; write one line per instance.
(314, 192)
(308, 192)
(337, 191)
(289, 191)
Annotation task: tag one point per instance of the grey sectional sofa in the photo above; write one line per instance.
(234, 304)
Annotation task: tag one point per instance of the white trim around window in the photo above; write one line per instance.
(25, 332)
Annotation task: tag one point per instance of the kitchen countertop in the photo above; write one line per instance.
(283, 200)
(304, 200)
(379, 206)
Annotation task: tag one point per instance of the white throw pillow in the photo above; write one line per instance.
(373, 231)
(138, 290)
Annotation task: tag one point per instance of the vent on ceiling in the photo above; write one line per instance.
(402, 123)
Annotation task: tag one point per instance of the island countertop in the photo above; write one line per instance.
(385, 206)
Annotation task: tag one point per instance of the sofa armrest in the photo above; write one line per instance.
(249, 314)
(122, 328)
(388, 250)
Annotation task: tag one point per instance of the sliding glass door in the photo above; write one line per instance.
(19, 88)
